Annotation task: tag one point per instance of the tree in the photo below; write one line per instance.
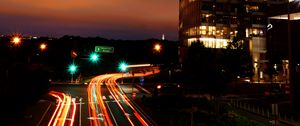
(236, 58)
(202, 70)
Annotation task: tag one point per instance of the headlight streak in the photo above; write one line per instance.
(125, 98)
(96, 102)
(97, 108)
(73, 113)
(62, 110)
(58, 106)
(117, 101)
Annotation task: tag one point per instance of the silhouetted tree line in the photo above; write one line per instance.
(130, 51)
(25, 70)
(57, 56)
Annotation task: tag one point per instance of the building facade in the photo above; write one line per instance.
(217, 22)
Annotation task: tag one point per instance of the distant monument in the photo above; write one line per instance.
(163, 37)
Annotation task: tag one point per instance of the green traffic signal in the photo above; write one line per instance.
(123, 66)
(94, 57)
(72, 68)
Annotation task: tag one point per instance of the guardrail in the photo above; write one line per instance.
(264, 112)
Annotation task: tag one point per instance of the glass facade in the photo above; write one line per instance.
(221, 19)
(217, 22)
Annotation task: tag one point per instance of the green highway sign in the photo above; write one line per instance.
(104, 49)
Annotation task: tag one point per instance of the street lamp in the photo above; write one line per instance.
(16, 40)
(43, 46)
(157, 47)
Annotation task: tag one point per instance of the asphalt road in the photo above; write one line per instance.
(109, 102)
(101, 102)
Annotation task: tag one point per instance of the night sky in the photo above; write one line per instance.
(113, 19)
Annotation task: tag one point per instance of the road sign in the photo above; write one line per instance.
(104, 49)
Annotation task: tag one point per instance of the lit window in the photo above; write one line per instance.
(255, 31)
(252, 8)
(210, 42)
(261, 32)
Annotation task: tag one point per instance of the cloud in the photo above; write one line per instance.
(102, 15)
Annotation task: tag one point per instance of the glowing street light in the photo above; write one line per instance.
(16, 40)
(43, 46)
(157, 47)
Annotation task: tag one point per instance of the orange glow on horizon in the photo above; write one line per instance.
(107, 16)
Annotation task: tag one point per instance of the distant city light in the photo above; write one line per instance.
(158, 86)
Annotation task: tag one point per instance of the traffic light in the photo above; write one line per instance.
(72, 68)
(123, 66)
(94, 57)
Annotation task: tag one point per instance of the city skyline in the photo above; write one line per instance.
(115, 19)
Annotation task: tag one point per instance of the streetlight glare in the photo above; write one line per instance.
(16, 40)
(43, 46)
(157, 47)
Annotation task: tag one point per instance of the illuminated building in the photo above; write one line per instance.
(217, 22)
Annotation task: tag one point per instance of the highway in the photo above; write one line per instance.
(109, 105)
(102, 102)
(65, 110)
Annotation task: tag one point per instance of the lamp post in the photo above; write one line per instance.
(43, 46)
(16, 40)
(157, 51)
(157, 47)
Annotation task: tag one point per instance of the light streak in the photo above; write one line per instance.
(62, 110)
(98, 107)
